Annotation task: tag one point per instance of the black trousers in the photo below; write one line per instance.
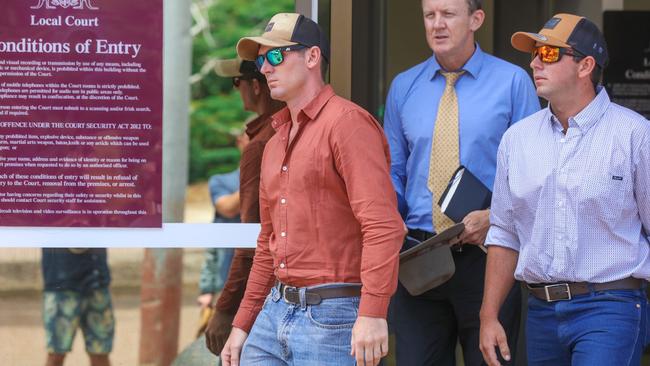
(427, 327)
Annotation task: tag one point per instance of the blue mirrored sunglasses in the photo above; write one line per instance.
(275, 56)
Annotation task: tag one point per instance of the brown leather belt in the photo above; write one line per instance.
(314, 296)
(566, 291)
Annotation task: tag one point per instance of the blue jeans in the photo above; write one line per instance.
(224, 264)
(288, 334)
(599, 328)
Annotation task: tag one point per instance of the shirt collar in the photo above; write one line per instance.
(589, 115)
(594, 110)
(310, 111)
(472, 66)
(255, 126)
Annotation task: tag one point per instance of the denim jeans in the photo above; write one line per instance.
(305, 335)
(599, 328)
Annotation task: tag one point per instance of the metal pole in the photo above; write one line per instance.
(160, 306)
(162, 268)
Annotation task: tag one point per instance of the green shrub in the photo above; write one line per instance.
(216, 113)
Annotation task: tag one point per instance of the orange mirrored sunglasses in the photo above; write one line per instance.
(552, 54)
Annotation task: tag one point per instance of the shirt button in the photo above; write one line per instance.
(282, 265)
(560, 203)
(283, 234)
(563, 140)
(96, 272)
(284, 168)
(283, 201)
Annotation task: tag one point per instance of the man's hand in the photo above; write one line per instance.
(491, 335)
(204, 300)
(217, 331)
(232, 349)
(477, 224)
(369, 340)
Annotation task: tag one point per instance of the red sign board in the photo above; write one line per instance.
(81, 113)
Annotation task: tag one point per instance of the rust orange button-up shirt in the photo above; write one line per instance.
(328, 209)
(259, 131)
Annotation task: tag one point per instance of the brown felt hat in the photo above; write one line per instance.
(430, 263)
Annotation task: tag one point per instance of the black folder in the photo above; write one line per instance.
(465, 193)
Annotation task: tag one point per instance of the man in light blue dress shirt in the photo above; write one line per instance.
(571, 211)
(492, 94)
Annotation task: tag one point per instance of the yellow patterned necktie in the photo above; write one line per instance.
(445, 153)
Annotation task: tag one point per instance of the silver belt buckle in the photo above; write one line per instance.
(284, 291)
(548, 295)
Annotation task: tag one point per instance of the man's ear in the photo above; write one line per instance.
(312, 57)
(476, 20)
(585, 67)
(257, 88)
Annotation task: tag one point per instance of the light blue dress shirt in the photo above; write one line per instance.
(492, 95)
(575, 206)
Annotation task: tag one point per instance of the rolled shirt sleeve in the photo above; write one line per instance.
(502, 224)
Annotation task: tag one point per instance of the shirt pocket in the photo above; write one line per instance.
(603, 194)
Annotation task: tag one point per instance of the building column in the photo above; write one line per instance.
(162, 269)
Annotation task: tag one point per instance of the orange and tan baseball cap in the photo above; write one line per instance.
(566, 31)
(285, 29)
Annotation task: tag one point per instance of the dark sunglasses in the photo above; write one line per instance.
(552, 54)
(275, 56)
(236, 81)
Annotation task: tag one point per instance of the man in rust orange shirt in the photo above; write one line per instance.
(256, 97)
(326, 261)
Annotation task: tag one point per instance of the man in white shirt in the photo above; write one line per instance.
(571, 211)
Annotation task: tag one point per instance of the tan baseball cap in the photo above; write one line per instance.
(285, 29)
(228, 68)
(566, 31)
(235, 67)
